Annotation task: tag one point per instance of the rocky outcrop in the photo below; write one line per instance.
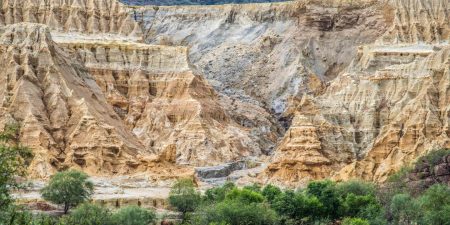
(424, 174)
(93, 17)
(343, 89)
(63, 113)
(385, 110)
(164, 103)
(263, 54)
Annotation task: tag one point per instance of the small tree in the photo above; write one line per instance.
(218, 194)
(404, 209)
(271, 192)
(14, 160)
(435, 205)
(134, 215)
(184, 197)
(326, 193)
(68, 188)
(235, 212)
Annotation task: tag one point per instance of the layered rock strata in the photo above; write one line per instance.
(389, 107)
(264, 53)
(103, 18)
(63, 113)
(165, 104)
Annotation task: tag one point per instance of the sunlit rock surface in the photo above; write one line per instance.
(328, 89)
(386, 109)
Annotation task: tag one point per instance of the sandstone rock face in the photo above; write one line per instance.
(339, 89)
(162, 109)
(75, 16)
(164, 103)
(389, 107)
(63, 113)
(264, 53)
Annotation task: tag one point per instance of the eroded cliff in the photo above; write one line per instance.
(389, 107)
(62, 112)
(338, 89)
(164, 103)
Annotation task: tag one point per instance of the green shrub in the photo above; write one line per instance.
(270, 192)
(218, 194)
(254, 188)
(404, 209)
(245, 196)
(355, 221)
(234, 212)
(298, 206)
(359, 205)
(435, 205)
(134, 215)
(184, 197)
(355, 187)
(15, 215)
(326, 193)
(14, 160)
(88, 214)
(69, 188)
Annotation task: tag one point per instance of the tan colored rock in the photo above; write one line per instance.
(93, 17)
(163, 102)
(267, 53)
(385, 110)
(63, 114)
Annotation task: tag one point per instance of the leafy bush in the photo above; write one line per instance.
(245, 196)
(326, 193)
(184, 197)
(14, 160)
(14, 215)
(218, 194)
(435, 205)
(69, 188)
(134, 215)
(355, 187)
(270, 192)
(254, 188)
(298, 206)
(404, 209)
(235, 212)
(357, 205)
(355, 221)
(88, 214)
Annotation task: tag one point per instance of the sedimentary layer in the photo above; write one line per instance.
(104, 18)
(264, 53)
(164, 102)
(389, 107)
(63, 114)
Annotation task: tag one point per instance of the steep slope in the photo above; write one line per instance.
(63, 114)
(264, 53)
(195, 2)
(104, 18)
(166, 105)
(389, 107)
(159, 102)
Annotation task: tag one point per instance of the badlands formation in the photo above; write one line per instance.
(313, 89)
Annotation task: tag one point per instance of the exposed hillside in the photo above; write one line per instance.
(334, 88)
(385, 110)
(193, 2)
(63, 114)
